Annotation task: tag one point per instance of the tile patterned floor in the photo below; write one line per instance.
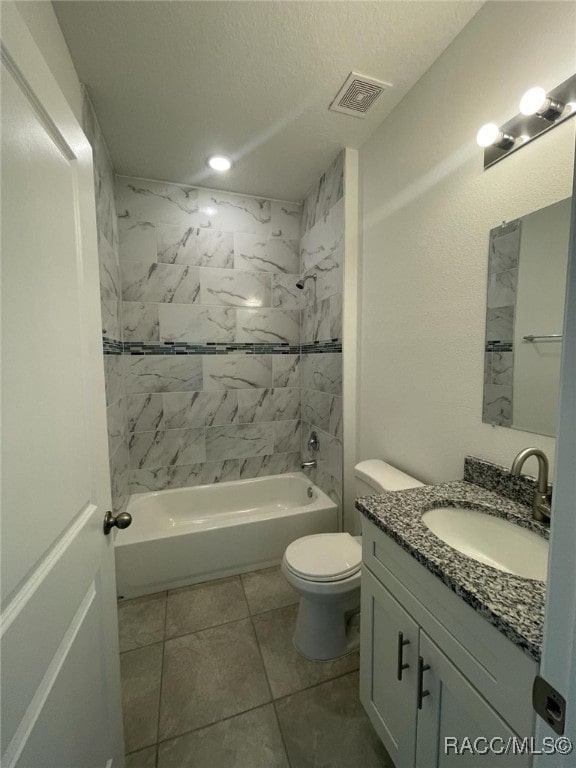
(211, 680)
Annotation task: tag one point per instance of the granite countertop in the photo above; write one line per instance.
(514, 605)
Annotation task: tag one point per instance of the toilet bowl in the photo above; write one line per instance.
(325, 569)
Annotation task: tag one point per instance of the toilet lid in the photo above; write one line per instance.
(324, 556)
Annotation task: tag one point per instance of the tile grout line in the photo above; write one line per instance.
(282, 739)
(272, 701)
(256, 638)
(316, 685)
(234, 621)
(211, 626)
(211, 725)
(245, 711)
(282, 735)
(161, 681)
(280, 698)
(266, 674)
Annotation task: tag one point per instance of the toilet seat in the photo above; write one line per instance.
(324, 557)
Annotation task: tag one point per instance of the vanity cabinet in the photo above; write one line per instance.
(431, 667)
(454, 708)
(389, 669)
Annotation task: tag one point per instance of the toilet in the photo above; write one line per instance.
(325, 570)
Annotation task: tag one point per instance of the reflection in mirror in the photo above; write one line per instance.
(527, 265)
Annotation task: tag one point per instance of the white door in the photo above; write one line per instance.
(60, 672)
(558, 665)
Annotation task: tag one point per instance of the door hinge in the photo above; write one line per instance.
(549, 704)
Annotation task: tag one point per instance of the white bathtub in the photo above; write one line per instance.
(188, 535)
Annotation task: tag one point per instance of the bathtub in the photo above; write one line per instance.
(187, 535)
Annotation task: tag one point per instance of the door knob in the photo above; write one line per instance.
(122, 520)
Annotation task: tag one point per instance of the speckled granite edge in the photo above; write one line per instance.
(495, 478)
(514, 605)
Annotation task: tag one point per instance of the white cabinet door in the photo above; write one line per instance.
(389, 641)
(453, 710)
(60, 670)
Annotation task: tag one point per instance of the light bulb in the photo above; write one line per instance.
(487, 135)
(490, 135)
(537, 102)
(533, 101)
(220, 163)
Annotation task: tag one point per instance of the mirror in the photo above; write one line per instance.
(527, 266)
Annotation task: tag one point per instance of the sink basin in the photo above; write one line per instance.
(490, 540)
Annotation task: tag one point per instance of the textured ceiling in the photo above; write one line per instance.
(173, 82)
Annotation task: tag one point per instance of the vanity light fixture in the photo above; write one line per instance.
(540, 111)
(491, 136)
(220, 163)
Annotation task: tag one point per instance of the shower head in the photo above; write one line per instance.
(300, 283)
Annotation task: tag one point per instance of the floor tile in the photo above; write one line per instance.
(268, 589)
(250, 740)
(145, 758)
(287, 671)
(191, 609)
(141, 621)
(326, 726)
(211, 675)
(141, 674)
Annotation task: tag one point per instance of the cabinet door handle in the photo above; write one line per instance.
(421, 692)
(401, 666)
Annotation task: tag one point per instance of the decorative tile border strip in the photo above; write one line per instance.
(499, 346)
(209, 348)
(114, 347)
(311, 347)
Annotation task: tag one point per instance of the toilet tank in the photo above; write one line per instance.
(375, 476)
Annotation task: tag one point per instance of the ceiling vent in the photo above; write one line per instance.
(357, 95)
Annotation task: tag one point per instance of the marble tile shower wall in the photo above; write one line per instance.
(501, 306)
(110, 301)
(211, 330)
(322, 253)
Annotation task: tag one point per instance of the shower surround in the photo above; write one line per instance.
(211, 331)
(111, 309)
(322, 253)
(217, 366)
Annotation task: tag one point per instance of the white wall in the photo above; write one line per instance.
(41, 21)
(542, 273)
(427, 208)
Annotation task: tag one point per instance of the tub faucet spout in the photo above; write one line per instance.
(541, 505)
(308, 464)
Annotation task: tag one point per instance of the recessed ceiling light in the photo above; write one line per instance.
(220, 163)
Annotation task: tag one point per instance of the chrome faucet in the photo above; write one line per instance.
(313, 447)
(541, 506)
